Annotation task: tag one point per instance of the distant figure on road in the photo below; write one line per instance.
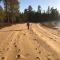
(28, 25)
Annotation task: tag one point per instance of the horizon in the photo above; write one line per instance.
(43, 3)
(23, 4)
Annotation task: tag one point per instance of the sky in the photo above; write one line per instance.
(34, 3)
(43, 3)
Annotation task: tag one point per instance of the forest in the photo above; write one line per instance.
(10, 14)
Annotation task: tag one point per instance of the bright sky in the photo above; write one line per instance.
(34, 3)
(43, 3)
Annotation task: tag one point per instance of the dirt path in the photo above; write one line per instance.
(19, 43)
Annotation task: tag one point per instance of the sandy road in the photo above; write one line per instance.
(47, 35)
(19, 43)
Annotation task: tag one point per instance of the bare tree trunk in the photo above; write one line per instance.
(6, 10)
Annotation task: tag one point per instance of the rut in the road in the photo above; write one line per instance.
(22, 44)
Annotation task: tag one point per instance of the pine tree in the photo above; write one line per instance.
(11, 8)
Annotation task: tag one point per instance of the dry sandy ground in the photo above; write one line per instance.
(19, 43)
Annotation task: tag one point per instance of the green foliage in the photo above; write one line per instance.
(1, 15)
(39, 9)
(29, 8)
(11, 13)
(11, 8)
(54, 13)
(33, 16)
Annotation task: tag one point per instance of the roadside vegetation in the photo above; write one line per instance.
(10, 14)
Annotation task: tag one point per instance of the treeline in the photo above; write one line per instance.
(39, 15)
(11, 14)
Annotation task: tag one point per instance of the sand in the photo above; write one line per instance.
(37, 43)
